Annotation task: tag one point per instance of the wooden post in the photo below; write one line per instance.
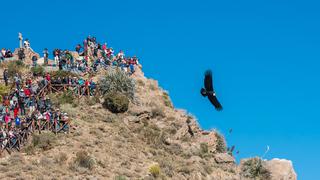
(79, 93)
(55, 126)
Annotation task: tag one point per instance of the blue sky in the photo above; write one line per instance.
(264, 55)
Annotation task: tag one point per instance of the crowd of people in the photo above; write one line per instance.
(27, 108)
(91, 56)
(79, 84)
(88, 56)
(23, 109)
(5, 53)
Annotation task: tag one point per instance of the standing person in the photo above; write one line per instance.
(56, 54)
(17, 80)
(34, 60)
(16, 109)
(6, 76)
(21, 54)
(21, 102)
(17, 122)
(27, 45)
(32, 104)
(45, 56)
(78, 48)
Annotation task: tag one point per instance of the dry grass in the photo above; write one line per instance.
(84, 160)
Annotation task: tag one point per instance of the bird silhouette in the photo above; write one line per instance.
(209, 92)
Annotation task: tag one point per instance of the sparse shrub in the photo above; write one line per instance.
(152, 87)
(20, 63)
(83, 159)
(15, 67)
(154, 170)
(208, 169)
(120, 178)
(116, 102)
(153, 135)
(166, 100)
(4, 90)
(110, 118)
(29, 150)
(44, 141)
(16, 158)
(166, 166)
(117, 81)
(157, 112)
(140, 82)
(92, 100)
(221, 146)
(204, 149)
(185, 169)
(62, 74)
(37, 71)
(66, 98)
(255, 168)
(171, 130)
(175, 149)
(61, 158)
(45, 162)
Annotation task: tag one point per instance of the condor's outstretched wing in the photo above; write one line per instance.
(213, 99)
(208, 81)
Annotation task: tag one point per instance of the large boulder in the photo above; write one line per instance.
(281, 169)
(28, 55)
(224, 158)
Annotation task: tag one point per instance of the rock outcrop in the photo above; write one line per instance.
(152, 140)
(281, 169)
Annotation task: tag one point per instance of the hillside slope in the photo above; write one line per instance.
(152, 140)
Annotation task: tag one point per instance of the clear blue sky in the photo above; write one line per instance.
(264, 55)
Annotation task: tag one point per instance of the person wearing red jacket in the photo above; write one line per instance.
(48, 77)
(27, 91)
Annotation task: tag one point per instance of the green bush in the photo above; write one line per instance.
(62, 74)
(15, 67)
(4, 91)
(83, 159)
(254, 168)
(204, 150)
(116, 102)
(166, 100)
(61, 158)
(117, 81)
(221, 146)
(44, 141)
(154, 170)
(120, 178)
(66, 98)
(38, 71)
(157, 112)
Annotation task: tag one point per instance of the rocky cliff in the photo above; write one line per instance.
(152, 140)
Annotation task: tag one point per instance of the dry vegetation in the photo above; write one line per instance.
(149, 141)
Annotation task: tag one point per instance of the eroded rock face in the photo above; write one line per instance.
(281, 169)
(222, 158)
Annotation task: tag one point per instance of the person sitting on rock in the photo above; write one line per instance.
(8, 54)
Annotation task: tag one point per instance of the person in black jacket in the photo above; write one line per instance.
(34, 60)
(6, 76)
